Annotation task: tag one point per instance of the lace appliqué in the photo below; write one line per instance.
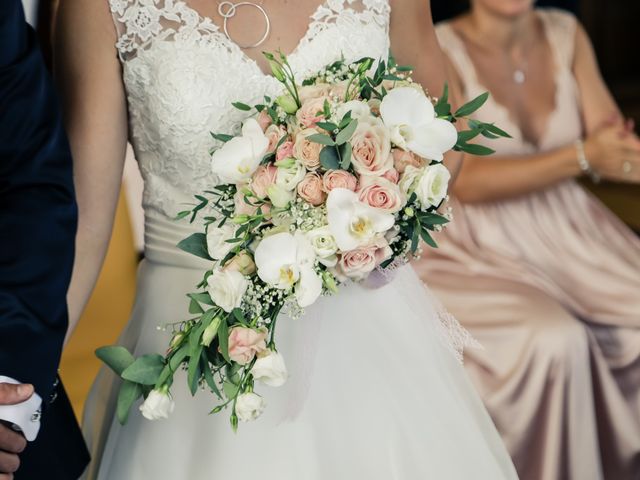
(182, 74)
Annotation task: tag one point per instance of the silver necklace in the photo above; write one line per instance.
(228, 10)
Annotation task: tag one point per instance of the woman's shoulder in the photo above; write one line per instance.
(558, 18)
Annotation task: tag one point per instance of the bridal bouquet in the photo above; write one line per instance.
(335, 180)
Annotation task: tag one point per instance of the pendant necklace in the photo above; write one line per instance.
(228, 10)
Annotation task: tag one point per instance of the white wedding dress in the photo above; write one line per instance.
(376, 391)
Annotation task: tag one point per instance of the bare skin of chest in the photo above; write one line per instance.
(289, 23)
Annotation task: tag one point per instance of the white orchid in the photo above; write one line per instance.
(352, 222)
(237, 159)
(286, 262)
(412, 120)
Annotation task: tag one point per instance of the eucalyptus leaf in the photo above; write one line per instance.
(193, 371)
(329, 158)
(321, 139)
(475, 149)
(345, 135)
(346, 152)
(241, 106)
(490, 127)
(195, 308)
(230, 389)
(208, 375)
(145, 370)
(202, 298)
(223, 339)
(442, 107)
(115, 357)
(221, 137)
(129, 393)
(427, 238)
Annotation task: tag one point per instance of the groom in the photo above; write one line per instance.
(37, 229)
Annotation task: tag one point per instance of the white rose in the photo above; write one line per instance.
(289, 177)
(237, 159)
(410, 178)
(270, 369)
(280, 197)
(217, 237)
(158, 404)
(324, 245)
(432, 187)
(226, 288)
(249, 406)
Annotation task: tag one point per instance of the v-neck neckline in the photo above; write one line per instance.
(235, 45)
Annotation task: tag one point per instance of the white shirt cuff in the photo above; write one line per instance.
(25, 415)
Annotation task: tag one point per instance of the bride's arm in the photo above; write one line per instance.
(414, 42)
(88, 76)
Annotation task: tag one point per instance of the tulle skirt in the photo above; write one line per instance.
(375, 392)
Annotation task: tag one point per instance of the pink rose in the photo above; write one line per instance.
(339, 90)
(371, 147)
(402, 159)
(274, 133)
(310, 112)
(243, 263)
(306, 151)
(245, 344)
(264, 120)
(339, 179)
(310, 189)
(284, 151)
(359, 263)
(263, 178)
(380, 193)
(392, 175)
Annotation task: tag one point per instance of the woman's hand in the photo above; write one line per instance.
(614, 152)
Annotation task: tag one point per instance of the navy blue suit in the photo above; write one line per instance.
(37, 231)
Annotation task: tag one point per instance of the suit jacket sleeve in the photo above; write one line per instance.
(37, 210)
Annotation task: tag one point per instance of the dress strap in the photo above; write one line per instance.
(561, 31)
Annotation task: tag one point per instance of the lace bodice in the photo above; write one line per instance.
(182, 73)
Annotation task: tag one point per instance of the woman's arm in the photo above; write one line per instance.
(414, 42)
(608, 145)
(88, 75)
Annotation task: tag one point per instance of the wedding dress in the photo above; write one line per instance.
(376, 390)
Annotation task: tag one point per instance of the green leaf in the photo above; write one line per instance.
(183, 214)
(202, 298)
(177, 358)
(415, 238)
(129, 393)
(427, 238)
(221, 137)
(475, 149)
(346, 119)
(467, 135)
(345, 153)
(328, 126)
(326, 110)
(208, 375)
(195, 308)
(345, 135)
(237, 313)
(321, 139)
(116, 358)
(442, 107)
(230, 389)
(432, 219)
(145, 370)
(223, 339)
(196, 244)
(241, 106)
(472, 106)
(193, 371)
(329, 158)
(490, 127)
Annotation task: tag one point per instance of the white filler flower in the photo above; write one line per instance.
(158, 404)
(411, 118)
(354, 223)
(237, 159)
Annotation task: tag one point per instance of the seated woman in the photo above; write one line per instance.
(542, 274)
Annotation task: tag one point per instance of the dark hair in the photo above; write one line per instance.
(446, 9)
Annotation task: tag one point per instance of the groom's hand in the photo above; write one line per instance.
(12, 443)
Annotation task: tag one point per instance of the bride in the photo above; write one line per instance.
(375, 391)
